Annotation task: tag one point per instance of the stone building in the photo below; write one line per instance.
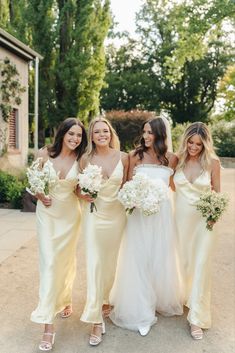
(14, 139)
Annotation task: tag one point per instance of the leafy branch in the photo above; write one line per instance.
(10, 87)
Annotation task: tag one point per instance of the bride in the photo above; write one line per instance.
(147, 278)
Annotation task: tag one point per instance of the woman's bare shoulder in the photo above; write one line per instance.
(84, 160)
(133, 155)
(215, 164)
(125, 158)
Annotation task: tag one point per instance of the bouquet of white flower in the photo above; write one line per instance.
(40, 178)
(212, 205)
(90, 181)
(143, 193)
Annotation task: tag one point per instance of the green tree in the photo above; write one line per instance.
(138, 75)
(227, 94)
(129, 83)
(66, 78)
(194, 23)
(92, 24)
(40, 18)
(69, 34)
(32, 21)
(11, 14)
(4, 13)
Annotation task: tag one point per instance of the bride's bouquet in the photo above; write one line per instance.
(212, 205)
(90, 181)
(40, 178)
(143, 193)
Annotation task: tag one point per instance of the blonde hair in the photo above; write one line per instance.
(114, 142)
(207, 153)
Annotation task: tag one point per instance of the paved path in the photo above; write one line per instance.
(19, 295)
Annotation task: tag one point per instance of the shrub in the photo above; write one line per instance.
(128, 125)
(6, 180)
(223, 134)
(31, 157)
(177, 133)
(12, 189)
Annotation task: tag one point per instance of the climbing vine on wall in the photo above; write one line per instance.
(10, 87)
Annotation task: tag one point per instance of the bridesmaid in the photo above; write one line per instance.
(103, 228)
(58, 220)
(198, 171)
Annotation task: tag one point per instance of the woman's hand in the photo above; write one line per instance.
(211, 223)
(45, 199)
(85, 197)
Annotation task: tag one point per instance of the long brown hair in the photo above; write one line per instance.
(55, 149)
(160, 147)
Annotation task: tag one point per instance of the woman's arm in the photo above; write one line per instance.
(173, 161)
(45, 199)
(215, 180)
(133, 161)
(215, 175)
(125, 162)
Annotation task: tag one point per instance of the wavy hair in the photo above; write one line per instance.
(114, 142)
(160, 147)
(55, 149)
(207, 153)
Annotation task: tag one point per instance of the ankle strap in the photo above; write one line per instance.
(49, 333)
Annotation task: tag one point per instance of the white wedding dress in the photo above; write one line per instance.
(147, 278)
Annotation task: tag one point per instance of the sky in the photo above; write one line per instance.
(124, 12)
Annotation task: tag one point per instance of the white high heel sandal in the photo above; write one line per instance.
(196, 333)
(94, 339)
(45, 345)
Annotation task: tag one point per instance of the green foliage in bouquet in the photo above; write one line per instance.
(212, 205)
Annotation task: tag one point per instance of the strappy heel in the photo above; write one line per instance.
(94, 340)
(67, 312)
(196, 332)
(45, 345)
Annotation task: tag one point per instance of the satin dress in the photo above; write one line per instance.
(57, 232)
(196, 246)
(103, 230)
(148, 277)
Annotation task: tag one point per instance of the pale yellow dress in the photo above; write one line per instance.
(103, 230)
(57, 231)
(196, 245)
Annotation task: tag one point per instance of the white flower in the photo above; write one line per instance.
(90, 181)
(40, 178)
(143, 193)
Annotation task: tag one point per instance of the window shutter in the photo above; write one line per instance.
(13, 140)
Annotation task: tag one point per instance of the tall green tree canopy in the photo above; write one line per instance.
(193, 23)
(145, 69)
(227, 94)
(70, 35)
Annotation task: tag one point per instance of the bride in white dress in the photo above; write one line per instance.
(148, 278)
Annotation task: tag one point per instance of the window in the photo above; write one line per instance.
(13, 142)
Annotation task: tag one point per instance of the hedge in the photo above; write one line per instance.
(128, 126)
(12, 189)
